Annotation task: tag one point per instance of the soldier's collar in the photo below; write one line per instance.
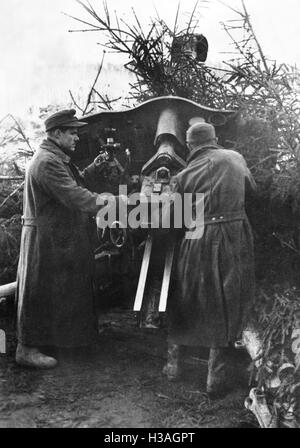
(53, 147)
(201, 150)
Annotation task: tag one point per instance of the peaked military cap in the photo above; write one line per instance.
(200, 133)
(63, 118)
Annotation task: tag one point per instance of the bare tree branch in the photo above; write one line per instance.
(12, 194)
(74, 102)
(94, 83)
(21, 132)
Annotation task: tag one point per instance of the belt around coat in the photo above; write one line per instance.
(225, 217)
(35, 222)
(220, 219)
(44, 221)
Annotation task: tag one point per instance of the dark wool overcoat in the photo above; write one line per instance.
(214, 275)
(55, 272)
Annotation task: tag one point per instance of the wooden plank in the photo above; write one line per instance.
(2, 178)
(8, 290)
(143, 274)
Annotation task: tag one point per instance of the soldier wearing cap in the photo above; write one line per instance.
(55, 272)
(214, 284)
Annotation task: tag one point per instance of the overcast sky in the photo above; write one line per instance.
(41, 60)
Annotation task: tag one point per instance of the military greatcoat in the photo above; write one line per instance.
(55, 271)
(214, 275)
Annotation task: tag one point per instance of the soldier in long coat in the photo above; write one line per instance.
(55, 272)
(214, 274)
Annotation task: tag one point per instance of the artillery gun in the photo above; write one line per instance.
(147, 150)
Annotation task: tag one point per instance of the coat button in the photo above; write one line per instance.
(213, 219)
(221, 217)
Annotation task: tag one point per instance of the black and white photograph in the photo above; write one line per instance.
(149, 216)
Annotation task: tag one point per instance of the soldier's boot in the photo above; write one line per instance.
(220, 376)
(31, 357)
(173, 367)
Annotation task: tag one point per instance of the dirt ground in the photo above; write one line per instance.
(116, 384)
